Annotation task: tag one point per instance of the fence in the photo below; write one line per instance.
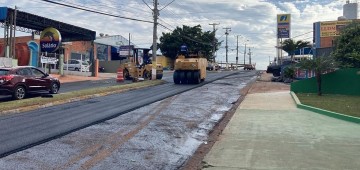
(344, 81)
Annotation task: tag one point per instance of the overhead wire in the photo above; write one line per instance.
(98, 12)
(84, 8)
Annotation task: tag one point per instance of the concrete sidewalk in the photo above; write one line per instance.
(269, 132)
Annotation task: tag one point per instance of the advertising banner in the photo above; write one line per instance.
(332, 28)
(283, 25)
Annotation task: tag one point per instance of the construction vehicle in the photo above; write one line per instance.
(249, 67)
(189, 70)
(140, 66)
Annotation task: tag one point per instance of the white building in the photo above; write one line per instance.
(350, 10)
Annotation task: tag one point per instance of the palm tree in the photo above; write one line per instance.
(290, 46)
(320, 65)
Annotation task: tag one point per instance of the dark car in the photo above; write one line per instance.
(276, 69)
(19, 81)
(209, 67)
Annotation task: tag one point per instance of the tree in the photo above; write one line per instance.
(193, 37)
(290, 46)
(320, 65)
(347, 46)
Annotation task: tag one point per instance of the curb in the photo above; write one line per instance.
(324, 112)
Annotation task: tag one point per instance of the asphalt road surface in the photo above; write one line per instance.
(81, 85)
(24, 130)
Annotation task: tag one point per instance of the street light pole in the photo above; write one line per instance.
(244, 53)
(237, 50)
(214, 47)
(250, 56)
(226, 46)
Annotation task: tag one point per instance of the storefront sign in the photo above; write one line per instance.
(332, 28)
(50, 40)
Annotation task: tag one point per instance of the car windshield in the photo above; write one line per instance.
(85, 63)
(3, 72)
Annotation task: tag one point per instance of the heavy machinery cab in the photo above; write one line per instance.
(140, 66)
(141, 56)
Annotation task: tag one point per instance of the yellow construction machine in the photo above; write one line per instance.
(190, 69)
(140, 66)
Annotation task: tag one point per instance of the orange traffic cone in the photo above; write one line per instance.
(120, 75)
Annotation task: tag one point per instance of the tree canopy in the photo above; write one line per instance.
(193, 37)
(319, 65)
(347, 48)
(290, 46)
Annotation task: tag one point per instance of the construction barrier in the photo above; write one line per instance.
(120, 75)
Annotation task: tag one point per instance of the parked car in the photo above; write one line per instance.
(76, 65)
(212, 66)
(276, 69)
(19, 81)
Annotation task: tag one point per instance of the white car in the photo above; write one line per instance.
(76, 65)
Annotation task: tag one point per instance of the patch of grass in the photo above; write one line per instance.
(34, 103)
(349, 105)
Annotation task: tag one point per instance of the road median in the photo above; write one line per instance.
(29, 104)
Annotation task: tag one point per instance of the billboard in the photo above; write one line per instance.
(332, 28)
(126, 50)
(283, 25)
(3, 13)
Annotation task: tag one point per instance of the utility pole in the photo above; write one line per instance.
(249, 56)
(214, 47)
(154, 49)
(237, 50)
(244, 53)
(13, 51)
(269, 60)
(226, 46)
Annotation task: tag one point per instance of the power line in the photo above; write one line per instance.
(146, 4)
(98, 12)
(303, 34)
(167, 5)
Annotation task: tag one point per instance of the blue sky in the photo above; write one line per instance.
(253, 20)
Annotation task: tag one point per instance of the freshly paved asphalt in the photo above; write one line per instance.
(20, 131)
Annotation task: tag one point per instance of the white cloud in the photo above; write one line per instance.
(255, 20)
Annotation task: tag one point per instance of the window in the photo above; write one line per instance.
(37, 73)
(74, 62)
(3, 72)
(24, 72)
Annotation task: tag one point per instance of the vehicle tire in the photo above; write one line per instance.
(176, 77)
(189, 77)
(159, 76)
(147, 75)
(54, 88)
(276, 73)
(77, 69)
(197, 78)
(19, 93)
(182, 77)
(127, 74)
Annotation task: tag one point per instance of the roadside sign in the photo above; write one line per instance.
(283, 25)
(50, 40)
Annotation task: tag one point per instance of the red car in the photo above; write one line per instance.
(19, 81)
